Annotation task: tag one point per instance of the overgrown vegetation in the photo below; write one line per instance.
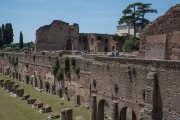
(67, 66)
(77, 70)
(131, 44)
(8, 49)
(14, 61)
(27, 77)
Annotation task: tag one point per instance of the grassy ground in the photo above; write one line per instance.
(16, 109)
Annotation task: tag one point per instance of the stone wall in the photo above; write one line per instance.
(167, 24)
(150, 88)
(161, 89)
(56, 35)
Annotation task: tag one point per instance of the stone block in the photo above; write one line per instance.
(46, 108)
(66, 114)
(25, 96)
(31, 100)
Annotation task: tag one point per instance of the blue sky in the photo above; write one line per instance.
(93, 16)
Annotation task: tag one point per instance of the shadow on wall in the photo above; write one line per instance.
(157, 113)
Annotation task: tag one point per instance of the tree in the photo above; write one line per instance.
(1, 42)
(21, 40)
(8, 34)
(134, 14)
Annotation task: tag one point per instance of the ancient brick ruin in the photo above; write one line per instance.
(161, 38)
(60, 35)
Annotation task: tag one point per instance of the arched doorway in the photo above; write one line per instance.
(103, 109)
(127, 113)
(69, 44)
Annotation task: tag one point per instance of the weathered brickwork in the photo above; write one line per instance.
(60, 35)
(122, 87)
(169, 25)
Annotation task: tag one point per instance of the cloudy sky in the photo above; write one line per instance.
(93, 16)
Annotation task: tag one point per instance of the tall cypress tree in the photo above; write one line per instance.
(1, 42)
(21, 40)
(8, 34)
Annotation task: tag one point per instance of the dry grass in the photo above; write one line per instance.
(16, 109)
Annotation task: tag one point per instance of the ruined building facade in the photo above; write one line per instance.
(60, 35)
(161, 38)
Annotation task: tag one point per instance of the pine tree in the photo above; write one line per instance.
(21, 40)
(134, 15)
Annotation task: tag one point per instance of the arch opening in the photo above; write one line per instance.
(127, 113)
(69, 44)
(103, 110)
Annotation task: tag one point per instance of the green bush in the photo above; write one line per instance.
(16, 48)
(77, 70)
(60, 75)
(131, 44)
(73, 62)
(26, 48)
(8, 49)
(27, 77)
(55, 69)
(66, 68)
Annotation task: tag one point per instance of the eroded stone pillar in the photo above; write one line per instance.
(114, 111)
(93, 108)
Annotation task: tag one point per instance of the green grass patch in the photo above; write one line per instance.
(16, 109)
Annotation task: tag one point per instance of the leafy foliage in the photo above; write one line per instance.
(26, 48)
(134, 14)
(8, 49)
(73, 61)
(77, 70)
(131, 44)
(7, 33)
(60, 75)
(27, 77)
(55, 67)
(67, 66)
(16, 48)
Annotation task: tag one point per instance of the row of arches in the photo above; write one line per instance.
(106, 111)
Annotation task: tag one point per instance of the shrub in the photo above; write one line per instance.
(26, 48)
(133, 69)
(60, 75)
(27, 77)
(55, 69)
(16, 48)
(73, 62)
(77, 70)
(131, 44)
(8, 49)
(66, 68)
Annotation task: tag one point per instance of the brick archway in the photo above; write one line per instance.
(127, 113)
(102, 111)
